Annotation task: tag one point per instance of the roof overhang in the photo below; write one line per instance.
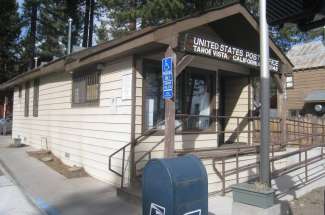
(308, 14)
(315, 96)
(143, 41)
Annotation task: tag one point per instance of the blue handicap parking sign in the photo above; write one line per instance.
(168, 78)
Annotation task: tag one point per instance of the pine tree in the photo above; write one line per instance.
(102, 32)
(88, 28)
(86, 25)
(51, 29)
(124, 14)
(121, 15)
(73, 9)
(30, 17)
(49, 38)
(10, 26)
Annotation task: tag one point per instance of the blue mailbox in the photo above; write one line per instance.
(177, 186)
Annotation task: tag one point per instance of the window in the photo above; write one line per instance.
(195, 92)
(85, 88)
(289, 81)
(20, 89)
(194, 98)
(154, 103)
(257, 98)
(35, 97)
(27, 99)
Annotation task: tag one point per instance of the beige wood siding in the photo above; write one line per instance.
(81, 136)
(201, 141)
(304, 82)
(237, 105)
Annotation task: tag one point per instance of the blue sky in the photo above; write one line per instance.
(20, 2)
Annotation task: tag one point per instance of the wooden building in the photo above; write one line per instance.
(306, 85)
(103, 106)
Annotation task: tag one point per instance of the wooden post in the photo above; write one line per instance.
(178, 67)
(306, 165)
(223, 177)
(170, 111)
(5, 107)
(135, 69)
(282, 105)
(313, 130)
(237, 166)
(249, 110)
(323, 132)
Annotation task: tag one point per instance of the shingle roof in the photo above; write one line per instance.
(307, 55)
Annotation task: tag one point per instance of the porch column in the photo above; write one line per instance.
(5, 106)
(178, 67)
(136, 64)
(282, 105)
(170, 110)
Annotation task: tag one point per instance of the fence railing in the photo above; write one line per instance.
(304, 162)
(306, 130)
(233, 129)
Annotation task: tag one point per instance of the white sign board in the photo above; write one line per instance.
(127, 87)
(202, 46)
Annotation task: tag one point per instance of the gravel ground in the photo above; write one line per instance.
(309, 204)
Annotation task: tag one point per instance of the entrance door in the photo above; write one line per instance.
(195, 98)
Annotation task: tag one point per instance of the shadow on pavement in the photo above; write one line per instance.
(95, 202)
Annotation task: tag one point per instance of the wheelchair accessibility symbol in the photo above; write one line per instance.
(156, 209)
(167, 65)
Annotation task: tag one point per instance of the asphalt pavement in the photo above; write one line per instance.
(56, 195)
(12, 199)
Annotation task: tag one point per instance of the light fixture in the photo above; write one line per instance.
(100, 66)
(318, 108)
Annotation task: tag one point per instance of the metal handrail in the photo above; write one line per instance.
(274, 173)
(152, 130)
(123, 150)
(123, 162)
(149, 152)
(240, 150)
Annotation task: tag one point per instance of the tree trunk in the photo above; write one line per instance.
(132, 25)
(86, 25)
(91, 23)
(33, 31)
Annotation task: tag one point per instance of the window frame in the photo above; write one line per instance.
(36, 97)
(26, 105)
(82, 76)
(292, 81)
